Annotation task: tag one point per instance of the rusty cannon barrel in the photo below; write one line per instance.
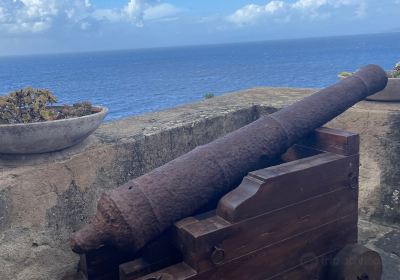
(140, 210)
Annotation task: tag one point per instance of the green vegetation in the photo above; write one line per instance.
(395, 73)
(345, 74)
(30, 105)
(208, 95)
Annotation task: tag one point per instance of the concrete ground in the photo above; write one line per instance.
(386, 241)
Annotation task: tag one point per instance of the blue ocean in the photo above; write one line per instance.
(133, 82)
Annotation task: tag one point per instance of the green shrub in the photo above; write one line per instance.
(345, 74)
(208, 95)
(29, 105)
(395, 73)
(76, 110)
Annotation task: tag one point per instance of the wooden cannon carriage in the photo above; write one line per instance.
(296, 220)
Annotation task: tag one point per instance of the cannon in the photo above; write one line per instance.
(294, 220)
(138, 212)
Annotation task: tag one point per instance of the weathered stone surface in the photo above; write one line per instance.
(43, 198)
(378, 125)
(390, 93)
(384, 240)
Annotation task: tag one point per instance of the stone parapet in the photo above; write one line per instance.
(43, 198)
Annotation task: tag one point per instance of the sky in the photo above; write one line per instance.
(53, 26)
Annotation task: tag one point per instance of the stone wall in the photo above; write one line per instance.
(44, 198)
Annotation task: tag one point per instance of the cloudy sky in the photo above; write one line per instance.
(43, 26)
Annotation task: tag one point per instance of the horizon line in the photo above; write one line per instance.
(192, 45)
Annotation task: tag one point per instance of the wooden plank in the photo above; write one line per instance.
(297, 152)
(135, 269)
(102, 264)
(334, 141)
(315, 269)
(158, 254)
(179, 271)
(198, 240)
(275, 187)
(270, 261)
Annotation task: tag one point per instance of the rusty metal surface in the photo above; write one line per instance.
(137, 212)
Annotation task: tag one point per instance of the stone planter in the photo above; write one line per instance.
(50, 136)
(390, 93)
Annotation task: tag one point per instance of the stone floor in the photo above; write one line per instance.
(386, 241)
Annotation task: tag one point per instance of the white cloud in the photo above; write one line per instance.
(307, 4)
(88, 4)
(274, 6)
(361, 10)
(251, 13)
(305, 9)
(134, 10)
(137, 12)
(34, 16)
(112, 15)
(161, 11)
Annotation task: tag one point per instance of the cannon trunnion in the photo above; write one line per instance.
(294, 220)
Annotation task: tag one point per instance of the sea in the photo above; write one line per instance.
(132, 82)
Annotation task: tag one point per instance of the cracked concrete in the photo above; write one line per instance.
(43, 198)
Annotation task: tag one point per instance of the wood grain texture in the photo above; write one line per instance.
(284, 256)
(272, 188)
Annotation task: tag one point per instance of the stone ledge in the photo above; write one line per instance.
(254, 101)
(44, 198)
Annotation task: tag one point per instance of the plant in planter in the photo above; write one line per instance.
(345, 74)
(30, 124)
(396, 71)
(30, 105)
(392, 90)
